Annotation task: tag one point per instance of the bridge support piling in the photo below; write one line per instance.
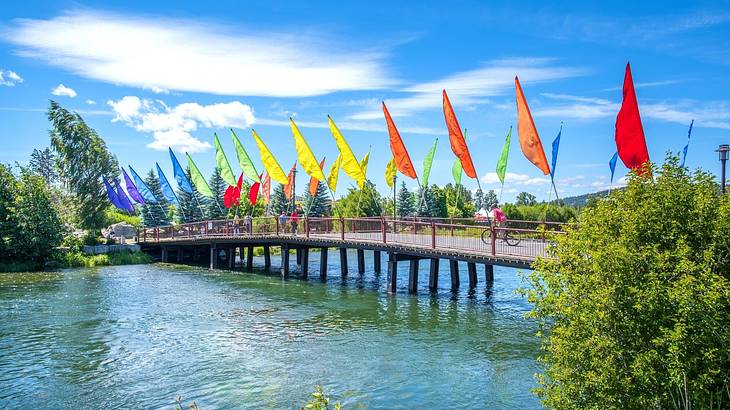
(299, 256)
(267, 257)
(360, 261)
(249, 257)
(413, 276)
(343, 262)
(323, 262)
(180, 254)
(454, 268)
(488, 273)
(285, 262)
(305, 262)
(392, 272)
(471, 268)
(213, 257)
(163, 254)
(433, 275)
(376, 262)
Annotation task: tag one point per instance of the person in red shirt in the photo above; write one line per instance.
(497, 215)
(294, 219)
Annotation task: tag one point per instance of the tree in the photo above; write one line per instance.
(434, 203)
(321, 205)
(83, 160)
(365, 202)
(459, 201)
(155, 214)
(405, 202)
(8, 191)
(479, 199)
(43, 164)
(215, 208)
(490, 199)
(191, 204)
(279, 202)
(526, 198)
(633, 303)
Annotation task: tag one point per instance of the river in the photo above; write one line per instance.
(138, 336)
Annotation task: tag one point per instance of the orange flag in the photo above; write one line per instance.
(288, 187)
(266, 187)
(400, 154)
(314, 182)
(527, 133)
(458, 144)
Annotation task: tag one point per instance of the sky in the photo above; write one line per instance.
(154, 74)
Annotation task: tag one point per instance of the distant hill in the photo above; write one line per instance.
(581, 200)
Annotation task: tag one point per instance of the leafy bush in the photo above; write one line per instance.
(113, 216)
(634, 308)
(78, 259)
(320, 401)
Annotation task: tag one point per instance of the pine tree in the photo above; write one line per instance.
(479, 199)
(155, 214)
(490, 199)
(279, 203)
(215, 207)
(405, 202)
(43, 163)
(192, 205)
(321, 206)
(435, 202)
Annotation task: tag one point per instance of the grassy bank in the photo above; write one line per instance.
(76, 260)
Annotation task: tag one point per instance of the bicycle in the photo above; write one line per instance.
(504, 234)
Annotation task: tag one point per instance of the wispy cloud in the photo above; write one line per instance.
(9, 78)
(163, 54)
(648, 84)
(63, 91)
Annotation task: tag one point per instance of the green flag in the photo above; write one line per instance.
(502, 163)
(198, 179)
(428, 162)
(222, 163)
(244, 160)
(456, 171)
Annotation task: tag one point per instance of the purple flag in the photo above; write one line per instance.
(122, 197)
(132, 189)
(112, 194)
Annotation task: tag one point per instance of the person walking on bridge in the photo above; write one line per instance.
(294, 221)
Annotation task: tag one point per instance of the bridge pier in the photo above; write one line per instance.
(249, 257)
(413, 276)
(163, 254)
(343, 262)
(433, 275)
(323, 263)
(213, 257)
(231, 254)
(179, 254)
(376, 261)
(454, 268)
(471, 268)
(305, 262)
(285, 261)
(299, 256)
(360, 261)
(267, 257)
(392, 272)
(488, 273)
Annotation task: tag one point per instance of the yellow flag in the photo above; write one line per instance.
(350, 164)
(305, 155)
(270, 163)
(390, 172)
(364, 164)
(334, 173)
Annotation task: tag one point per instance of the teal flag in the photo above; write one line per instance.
(428, 162)
(142, 187)
(167, 190)
(182, 179)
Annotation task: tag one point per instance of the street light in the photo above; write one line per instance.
(723, 151)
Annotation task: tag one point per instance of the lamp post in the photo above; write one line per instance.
(723, 150)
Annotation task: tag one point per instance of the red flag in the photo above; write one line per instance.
(630, 140)
(236, 196)
(266, 187)
(288, 188)
(527, 132)
(253, 192)
(314, 182)
(228, 196)
(400, 154)
(458, 144)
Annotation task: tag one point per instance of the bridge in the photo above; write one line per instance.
(217, 242)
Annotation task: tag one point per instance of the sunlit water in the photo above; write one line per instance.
(138, 336)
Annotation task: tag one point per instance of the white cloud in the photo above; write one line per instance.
(163, 54)
(515, 179)
(172, 126)
(91, 102)
(62, 90)
(9, 78)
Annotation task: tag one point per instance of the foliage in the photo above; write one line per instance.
(78, 259)
(43, 163)
(155, 214)
(83, 160)
(215, 208)
(320, 401)
(321, 205)
(365, 202)
(459, 201)
(490, 199)
(434, 203)
(244, 205)
(113, 216)
(279, 203)
(8, 188)
(542, 211)
(526, 198)
(634, 305)
(191, 204)
(405, 202)
(479, 199)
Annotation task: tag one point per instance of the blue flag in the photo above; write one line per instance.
(112, 194)
(122, 197)
(143, 189)
(182, 180)
(167, 191)
(556, 145)
(686, 147)
(612, 165)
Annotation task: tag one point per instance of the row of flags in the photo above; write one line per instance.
(629, 137)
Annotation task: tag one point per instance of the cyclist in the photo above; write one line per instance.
(497, 216)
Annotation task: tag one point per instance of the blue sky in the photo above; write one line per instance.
(161, 74)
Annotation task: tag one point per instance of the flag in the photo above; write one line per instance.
(305, 155)
(222, 162)
(390, 171)
(364, 164)
(112, 194)
(686, 147)
(253, 192)
(630, 140)
(233, 193)
(182, 180)
(556, 145)
(334, 173)
(167, 191)
(142, 187)
(348, 162)
(122, 197)
(428, 162)
(612, 165)
(527, 132)
(458, 142)
(198, 179)
(271, 165)
(314, 183)
(456, 171)
(244, 160)
(266, 187)
(402, 160)
(502, 162)
(288, 189)
(132, 189)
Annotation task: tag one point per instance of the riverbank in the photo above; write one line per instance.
(77, 260)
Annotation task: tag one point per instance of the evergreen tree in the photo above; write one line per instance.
(215, 207)
(435, 202)
(405, 202)
(155, 214)
(43, 164)
(479, 199)
(191, 204)
(322, 205)
(279, 203)
(365, 202)
(490, 199)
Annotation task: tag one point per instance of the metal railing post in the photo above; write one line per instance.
(433, 235)
(494, 239)
(342, 228)
(451, 222)
(383, 229)
(277, 226)
(306, 226)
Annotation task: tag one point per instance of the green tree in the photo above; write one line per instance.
(322, 204)
(405, 202)
(155, 214)
(8, 191)
(43, 163)
(434, 203)
(634, 302)
(525, 198)
(192, 204)
(83, 159)
(490, 199)
(479, 199)
(459, 201)
(279, 203)
(365, 202)
(215, 208)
